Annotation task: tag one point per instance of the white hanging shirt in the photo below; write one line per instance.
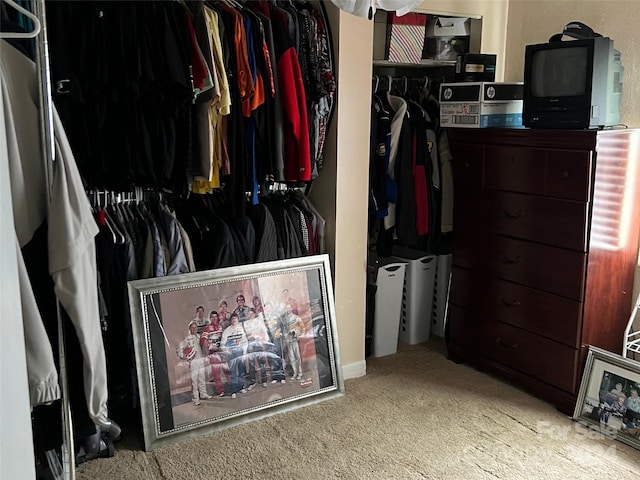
(364, 8)
(71, 232)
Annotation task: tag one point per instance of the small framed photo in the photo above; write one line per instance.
(223, 347)
(609, 396)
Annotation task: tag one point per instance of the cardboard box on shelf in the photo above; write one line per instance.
(476, 67)
(446, 38)
(481, 104)
(448, 27)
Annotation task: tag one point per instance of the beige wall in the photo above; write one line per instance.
(340, 192)
(532, 22)
(494, 20)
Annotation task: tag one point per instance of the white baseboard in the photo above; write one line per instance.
(354, 370)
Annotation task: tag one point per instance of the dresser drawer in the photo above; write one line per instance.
(553, 270)
(518, 349)
(547, 315)
(557, 222)
(467, 164)
(552, 173)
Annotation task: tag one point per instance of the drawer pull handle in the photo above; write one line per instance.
(506, 346)
(511, 261)
(515, 303)
(513, 216)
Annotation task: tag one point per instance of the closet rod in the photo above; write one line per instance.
(47, 142)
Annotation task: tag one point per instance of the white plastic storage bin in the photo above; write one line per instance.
(441, 294)
(417, 299)
(390, 280)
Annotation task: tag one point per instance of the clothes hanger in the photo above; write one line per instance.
(118, 217)
(398, 86)
(426, 86)
(111, 221)
(97, 207)
(138, 205)
(404, 84)
(133, 206)
(120, 206)
(234, 4)
(384, 84)
(120, 238)
(36, 23)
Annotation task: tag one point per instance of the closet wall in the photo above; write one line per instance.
(340, 193)
(616, 19)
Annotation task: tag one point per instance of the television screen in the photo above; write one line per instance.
(559, 72)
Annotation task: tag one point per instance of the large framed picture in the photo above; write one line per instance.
(222, 347)
(609, 399)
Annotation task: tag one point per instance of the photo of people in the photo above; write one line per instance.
(221, 347)
(234, 346)
(609, 397)
(617, 406)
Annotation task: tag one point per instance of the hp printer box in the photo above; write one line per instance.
(481, 104)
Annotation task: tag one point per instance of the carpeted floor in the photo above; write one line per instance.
(415, 415)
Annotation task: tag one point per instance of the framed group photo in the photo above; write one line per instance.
(609, 397)
(222, 347)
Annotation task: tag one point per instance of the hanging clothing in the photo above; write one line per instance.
(399, 146)
(194, 96)
(293, 98)
(71, 245)
(265, 229)
(219, 107)
(122, 84)
(367, 8)
(410, 175)
(380, 147)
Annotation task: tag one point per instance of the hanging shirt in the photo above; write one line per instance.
(380, 143)
(367, 9)
(297, 150)
(218, 109)
(243, 70)
(251, 23)
(398, 122)
(275, 169)
(71, 236)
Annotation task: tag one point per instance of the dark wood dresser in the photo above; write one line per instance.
(545, 244)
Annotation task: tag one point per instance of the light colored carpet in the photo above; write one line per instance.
(415, 415)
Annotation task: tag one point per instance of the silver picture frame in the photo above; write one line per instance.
(609, 397)
(194, 379)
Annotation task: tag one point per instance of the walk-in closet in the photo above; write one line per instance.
(148, 139)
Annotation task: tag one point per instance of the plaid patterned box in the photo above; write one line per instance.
(405, 37)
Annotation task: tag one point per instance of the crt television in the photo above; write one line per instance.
(572, 84)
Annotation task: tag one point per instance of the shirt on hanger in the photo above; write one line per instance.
(71, 235)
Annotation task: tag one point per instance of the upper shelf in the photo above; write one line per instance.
(422, 64)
